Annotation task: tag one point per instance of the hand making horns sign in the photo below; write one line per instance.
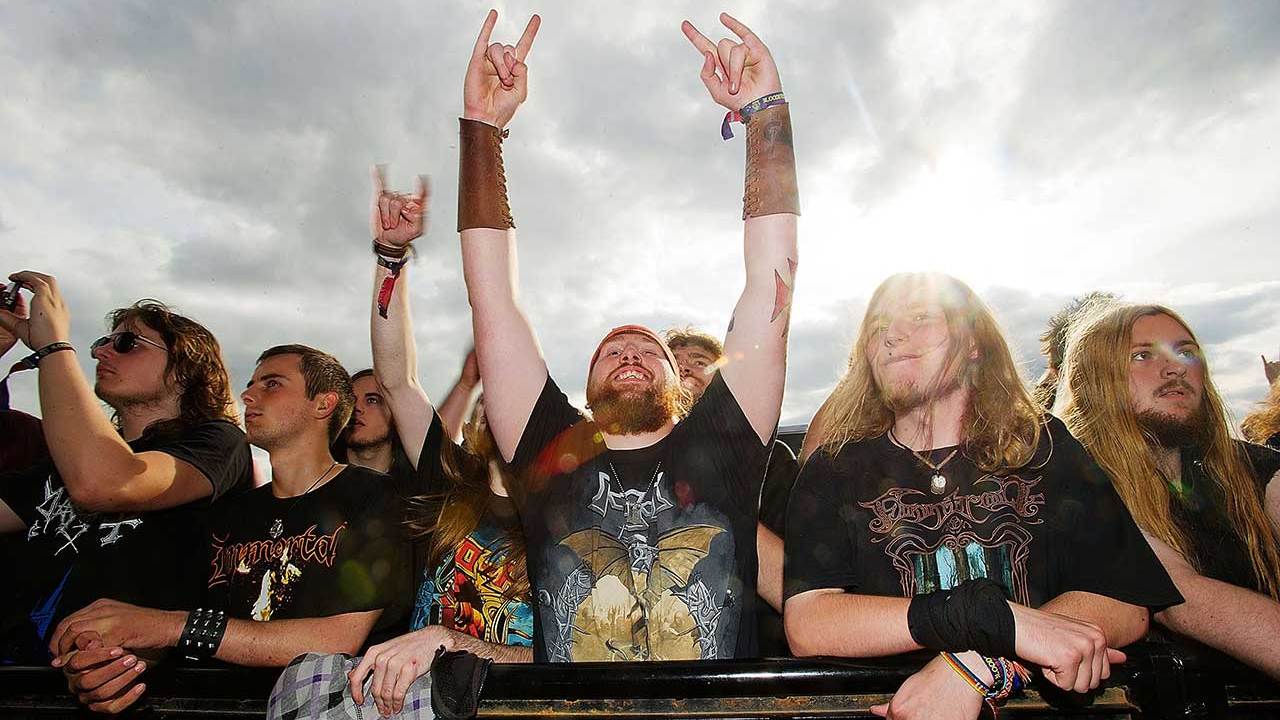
(397, 219)
(735, 73)
(497, 79)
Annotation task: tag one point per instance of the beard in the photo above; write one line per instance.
(121, 402)
(355, 442)
(1169, 431)
(902, 398)
(629, 412)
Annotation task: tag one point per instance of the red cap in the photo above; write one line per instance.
(635, 330)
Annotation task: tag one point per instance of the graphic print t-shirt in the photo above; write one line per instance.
(338, 549)
(69, 557)
(866, 521)
(469, 590)
(1201, 510)
(643, 554)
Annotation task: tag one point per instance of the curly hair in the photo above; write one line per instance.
(195, 364)
(688, 336)
(1264, 422)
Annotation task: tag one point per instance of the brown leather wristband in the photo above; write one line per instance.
(482, 183)
(771, 165)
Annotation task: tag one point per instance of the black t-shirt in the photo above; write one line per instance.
(1201, 511)
(779, 478)
(72, 557)
(338, 549)
(645, 554)
(867, 521)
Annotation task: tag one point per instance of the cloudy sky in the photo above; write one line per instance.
(217, 155)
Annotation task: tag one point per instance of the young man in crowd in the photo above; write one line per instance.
(943, 510)
(1139, 396)
(120, 510)
(640, 531)
(471, 586)
(1053, 342)
(699, 356)
(315, 561)
(371, 440)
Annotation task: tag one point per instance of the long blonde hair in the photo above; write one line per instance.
(1264, 422)
(1002, 424)
(1095, 404)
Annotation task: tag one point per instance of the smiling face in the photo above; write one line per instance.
(137, 377)
(632, 388)
(909, 348)
(371, 418)
(1166, 379)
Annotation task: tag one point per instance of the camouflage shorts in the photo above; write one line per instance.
(315, 686)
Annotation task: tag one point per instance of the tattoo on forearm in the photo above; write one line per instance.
(732, 318)
(782, 292)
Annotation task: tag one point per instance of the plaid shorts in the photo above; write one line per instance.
(315, 686)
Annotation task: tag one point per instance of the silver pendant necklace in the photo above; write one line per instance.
(277, 527)
(937, 481)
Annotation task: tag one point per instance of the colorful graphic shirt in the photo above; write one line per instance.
(69, 557)
(470, 592)
(340, 548)
(870, 521)
(642, 554)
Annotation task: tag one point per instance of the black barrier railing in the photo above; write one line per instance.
(1158, 681)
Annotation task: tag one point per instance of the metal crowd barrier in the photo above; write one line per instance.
(1158, 681)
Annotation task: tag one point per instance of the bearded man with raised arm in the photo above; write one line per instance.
(640, 520)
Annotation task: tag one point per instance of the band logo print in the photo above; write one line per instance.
(938, 545)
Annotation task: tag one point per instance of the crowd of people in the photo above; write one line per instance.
(938, 502)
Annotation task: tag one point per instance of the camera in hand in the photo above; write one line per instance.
(9, 296)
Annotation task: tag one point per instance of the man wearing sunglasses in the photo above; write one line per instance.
(119, 510)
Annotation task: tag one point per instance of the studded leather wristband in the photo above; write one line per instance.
(202, 634)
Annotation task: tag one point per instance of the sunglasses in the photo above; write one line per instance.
(123, 343)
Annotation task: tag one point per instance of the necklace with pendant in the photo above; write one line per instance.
(277, 527)
(937, 481)
(639, 509)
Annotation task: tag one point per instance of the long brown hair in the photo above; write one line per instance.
(195, 361)
(1094, 402)
(1263, 422)
(1002, 424)
(445, 519)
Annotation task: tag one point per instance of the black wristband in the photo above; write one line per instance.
(974, 615)
(391, 264)
(202, 634)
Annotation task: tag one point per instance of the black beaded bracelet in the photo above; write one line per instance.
(202, 634)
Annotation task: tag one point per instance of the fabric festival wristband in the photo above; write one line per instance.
(32, 361)
(743, 114)
(388, 287)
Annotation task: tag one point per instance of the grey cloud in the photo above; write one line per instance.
(1100, 67)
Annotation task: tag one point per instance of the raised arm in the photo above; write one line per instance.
(461, 398)
(742, 77)
(1239, 622)
(510, 361)
(99, 469)
(396, 220)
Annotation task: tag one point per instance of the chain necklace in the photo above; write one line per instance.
(937, 481)
(277, 527)
(637, 509)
